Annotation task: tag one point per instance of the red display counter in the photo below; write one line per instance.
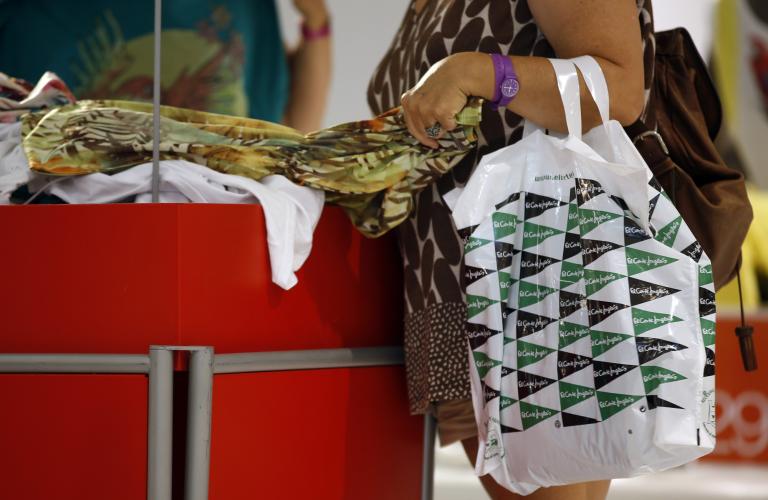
(119, 278)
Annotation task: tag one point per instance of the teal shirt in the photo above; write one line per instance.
(224, 56)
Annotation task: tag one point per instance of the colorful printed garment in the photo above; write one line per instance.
(18, 97)
(372, 168)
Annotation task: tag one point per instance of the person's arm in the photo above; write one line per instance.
(608, 30)
(310, 66)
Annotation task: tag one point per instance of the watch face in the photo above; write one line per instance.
(510, 87)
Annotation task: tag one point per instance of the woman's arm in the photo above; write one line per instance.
(310, 67)
(608, 30)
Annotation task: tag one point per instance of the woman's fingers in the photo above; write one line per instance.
(417, 121)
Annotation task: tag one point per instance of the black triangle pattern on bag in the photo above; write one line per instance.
(465, 234)
(473, 274)
(478, 335)
(652, 205)
(536, 204)
(532, 264)
(568, 363)
(530, 383)
(504, 254)
(572, 245)
(587, 189)
(505, 370)
(571, 420)
(572, 195)
(506, 313)
(591, 250)
(512, 198)
(621, 203)
(633, 233)
(656, 402)
(706, 302)
(641, 291)
(649, 348)
(490, 393)
(694, 251)
(570, 303)
(599, 310)
(606, 373)
(709, 365)
(529, 323)
(505, 429)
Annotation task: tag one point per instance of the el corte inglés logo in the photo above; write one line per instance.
(579, 332)
(597, 218)
(652, 320)
(633, 231)
(578, 393)
(705, 301)
(502, 224)
(656, 347)
(536, 292)
(647, 290)
(611, 372)
(569, 302)
(573, 363)
(606, 341)
(603, 310)
(647, 261)
(599, 280)
(537, 323)
(617, 402)
(537, 414)
(485, 363)
(531, 384)
(546, 204)
(501, 254)
(536, 353)
(571, 244)
(597, 249)
(474, 243)
(479, 303)
(536, 263)
(570, 273)
(476, 273)
(541, 234)
(664, 377)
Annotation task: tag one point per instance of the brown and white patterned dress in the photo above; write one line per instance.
(435, 345)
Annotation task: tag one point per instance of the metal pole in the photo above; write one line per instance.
(428, 461)
(160, 428)
(199, 424)
(156, 103)
(307, 359)
(74, 363)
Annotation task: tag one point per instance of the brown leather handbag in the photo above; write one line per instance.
(676, 139)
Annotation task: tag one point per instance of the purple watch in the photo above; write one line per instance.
(507, 84)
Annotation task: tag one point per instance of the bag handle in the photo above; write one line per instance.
(568, 86)
(595, 80)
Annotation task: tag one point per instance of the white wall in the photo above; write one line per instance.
(363, 30)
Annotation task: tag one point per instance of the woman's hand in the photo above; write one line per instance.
(440, 94)
(314, 12)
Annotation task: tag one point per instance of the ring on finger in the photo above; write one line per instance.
(433, 132)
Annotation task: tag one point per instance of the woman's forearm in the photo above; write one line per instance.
(539, 100)
(310, 82)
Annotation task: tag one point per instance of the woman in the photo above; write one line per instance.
(225, 56)
(439, 57)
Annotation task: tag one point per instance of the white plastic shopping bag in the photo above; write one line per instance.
(590, 308)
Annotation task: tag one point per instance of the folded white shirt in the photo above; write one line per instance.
(14, 167)
(291, 211)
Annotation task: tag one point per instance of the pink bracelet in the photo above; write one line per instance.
(310, 34)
